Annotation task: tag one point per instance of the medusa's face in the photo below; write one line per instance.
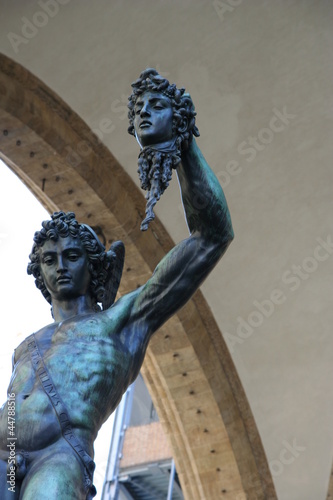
(64, 268)
(153, 121)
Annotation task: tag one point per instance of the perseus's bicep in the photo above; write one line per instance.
(175, 279)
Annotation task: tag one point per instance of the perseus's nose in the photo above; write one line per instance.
(61, 264)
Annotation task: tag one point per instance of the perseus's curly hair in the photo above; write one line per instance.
(62, 225)
(155, 165)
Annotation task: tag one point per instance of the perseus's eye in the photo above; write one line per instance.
(48, 261)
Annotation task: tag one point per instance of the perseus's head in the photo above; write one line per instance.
(159, 112)
(87, 260)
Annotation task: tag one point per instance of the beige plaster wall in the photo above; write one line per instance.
(244, 63)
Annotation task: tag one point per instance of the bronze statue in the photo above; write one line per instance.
(70, 376)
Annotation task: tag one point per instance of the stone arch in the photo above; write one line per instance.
(188, 368)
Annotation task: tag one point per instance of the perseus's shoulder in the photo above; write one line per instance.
(19, 351)
(123, 310)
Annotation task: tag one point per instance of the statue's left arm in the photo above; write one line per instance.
(185, 267)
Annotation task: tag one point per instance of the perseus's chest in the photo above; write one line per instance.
(86, 351)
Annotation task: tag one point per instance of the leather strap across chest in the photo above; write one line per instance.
(59, 407)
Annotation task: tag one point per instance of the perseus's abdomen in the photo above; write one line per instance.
(90, 376)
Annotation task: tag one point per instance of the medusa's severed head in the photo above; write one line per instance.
(162, 118)
(183, 114)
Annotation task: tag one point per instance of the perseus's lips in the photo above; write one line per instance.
(63, 279)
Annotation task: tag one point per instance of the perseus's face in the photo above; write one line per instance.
(153, 122)
(64, 268)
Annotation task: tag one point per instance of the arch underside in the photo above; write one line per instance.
(188, 369)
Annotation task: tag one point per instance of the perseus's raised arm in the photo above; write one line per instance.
(185, 267)
(162, 118)
(206, 209)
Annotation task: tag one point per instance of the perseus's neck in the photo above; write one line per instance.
(66, 309)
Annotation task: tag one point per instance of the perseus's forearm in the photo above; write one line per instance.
(204, 202)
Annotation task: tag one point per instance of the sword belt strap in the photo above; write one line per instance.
(58, 406)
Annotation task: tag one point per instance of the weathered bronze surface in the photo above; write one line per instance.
(69, 376)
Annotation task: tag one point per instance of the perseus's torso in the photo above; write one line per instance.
(90, 368)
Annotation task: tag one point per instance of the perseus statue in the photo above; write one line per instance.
(70, 376)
